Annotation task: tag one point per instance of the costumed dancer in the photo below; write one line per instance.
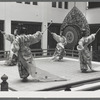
(60, 49)
(12, 59)
(26, 64)
(84, 53)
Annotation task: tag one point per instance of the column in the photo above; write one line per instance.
(44, 38)
(7, 29)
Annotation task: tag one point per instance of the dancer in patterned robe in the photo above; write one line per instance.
(26, 64)
(84, 53)
(60, 49)
(12, 59)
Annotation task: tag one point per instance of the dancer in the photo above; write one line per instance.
(60, 49)
(26, 64)
(84, 53)
(12, 59)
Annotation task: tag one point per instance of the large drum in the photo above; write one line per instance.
(72, 34)
(72, 25)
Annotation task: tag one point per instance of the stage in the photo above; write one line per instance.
(51, 74)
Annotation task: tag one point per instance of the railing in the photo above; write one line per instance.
(96, 55)
(72, 53)
(41, 53)
(67, 87)
(50, 52)
(4, 54)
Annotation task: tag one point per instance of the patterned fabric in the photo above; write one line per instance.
(60, 39)
(9, 37)
(84, 53)
(12, 59)
(21, 48)
(60, 50)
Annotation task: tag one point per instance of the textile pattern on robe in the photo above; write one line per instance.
(60, 50)
(12, 59)
(59, 39)
(26, 64)
(84, 53)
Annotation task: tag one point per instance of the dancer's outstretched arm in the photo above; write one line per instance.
(9, 37)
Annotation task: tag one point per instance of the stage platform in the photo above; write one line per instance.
(51, 74)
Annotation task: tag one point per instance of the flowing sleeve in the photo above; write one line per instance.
(35, 37)
(15, 46)
(9, 37)
(80, 45)
(56, 37)
(91, 38)
(64, 42)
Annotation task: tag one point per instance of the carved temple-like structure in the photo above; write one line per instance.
(72, 25)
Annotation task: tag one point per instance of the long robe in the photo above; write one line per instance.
(12, 59)
(84, 53)
(26, 64)
(60, 50)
